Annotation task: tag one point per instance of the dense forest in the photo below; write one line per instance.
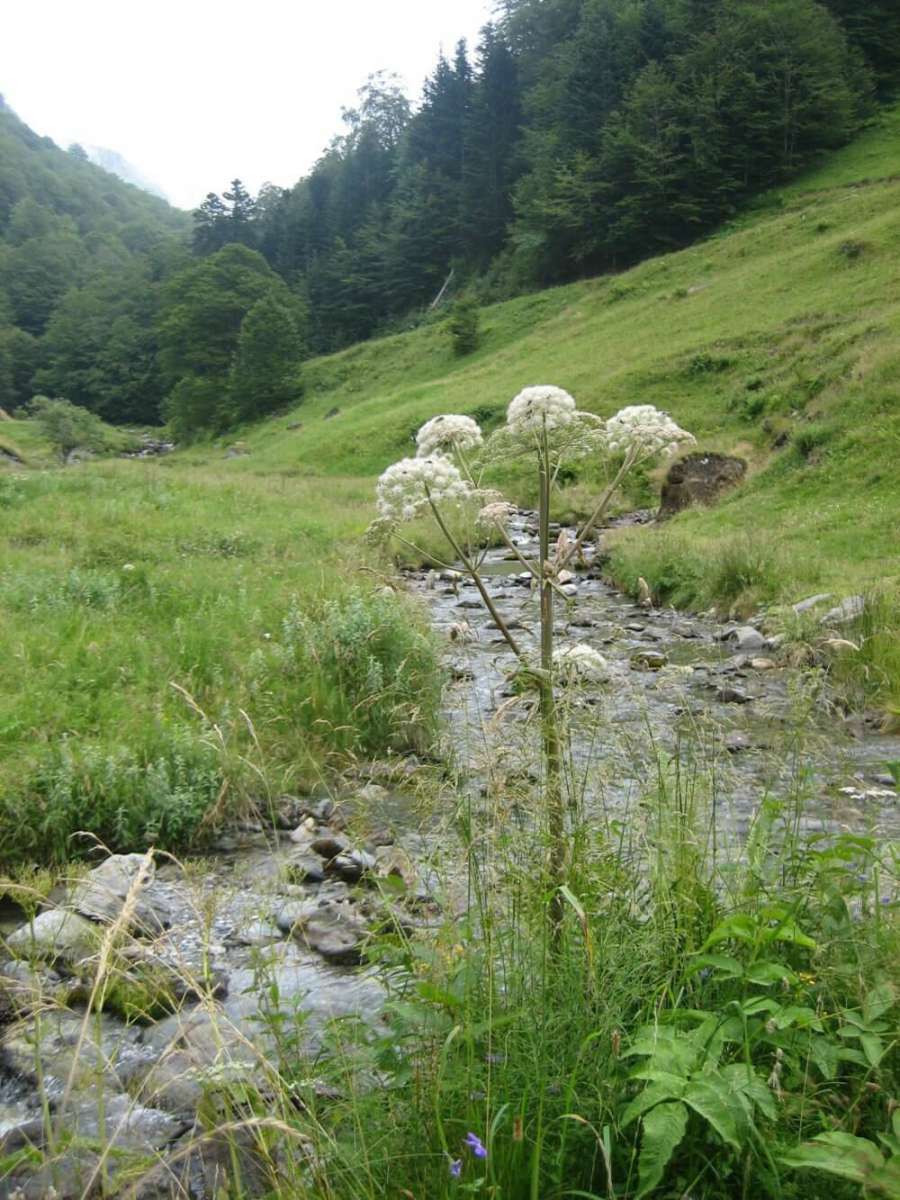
(579, 137)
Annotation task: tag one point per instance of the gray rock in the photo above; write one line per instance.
(803, 606)
(737, 743)
(56, 935)
(846, 612)
(80, 454)
(303, 868)
(102, 894)
(763, 664)
(257, 933)
(728, 694)
(351, 867)
(745, 638)
(649, 660)
(329, 845)
(67, 1046)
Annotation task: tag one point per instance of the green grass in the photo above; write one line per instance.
(177, 643)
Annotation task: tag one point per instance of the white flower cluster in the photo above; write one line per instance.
(581, 662)
(538, 408)
(404, 488)
(498, 512)
(645, 428)
(448, 432)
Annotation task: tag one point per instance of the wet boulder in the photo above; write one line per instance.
(699, 479)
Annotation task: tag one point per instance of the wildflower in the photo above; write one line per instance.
(495, 514)
(473, 1141)
(581, 662)
(403, 489)
(456, 1167)
(448, 432)
(646, 429)
(537, 408)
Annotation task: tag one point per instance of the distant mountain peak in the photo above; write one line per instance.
(116, 164)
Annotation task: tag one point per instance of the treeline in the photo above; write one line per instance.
(584, 135)
(581, 136)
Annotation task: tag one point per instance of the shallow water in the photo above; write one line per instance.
(748, 733)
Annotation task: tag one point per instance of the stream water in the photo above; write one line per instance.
(677, 686)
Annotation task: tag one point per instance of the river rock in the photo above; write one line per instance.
(56, 936)
(302, 868)
(68, 1046)
(728, 694)
(334, 933)
(102, 894)
(745, 638)
(846, 612)
(763, 664)
(803, 606)
(649, 660)
(737, 742)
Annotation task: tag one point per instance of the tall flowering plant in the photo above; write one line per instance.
(543, 424)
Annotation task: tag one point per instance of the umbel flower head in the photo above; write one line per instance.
(495, 514)
(643, 428)
(448, 432)
(538, 408)
(581, 663)
(404, 489)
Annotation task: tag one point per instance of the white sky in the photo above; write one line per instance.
(194, 93)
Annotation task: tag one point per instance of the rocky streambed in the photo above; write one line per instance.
(203, 967)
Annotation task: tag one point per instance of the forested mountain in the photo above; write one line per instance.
(580, 137)
(82, 259)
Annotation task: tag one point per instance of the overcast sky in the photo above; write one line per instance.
(195, 93)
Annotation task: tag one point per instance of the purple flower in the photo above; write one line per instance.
(456, 1168)
(473, 1141)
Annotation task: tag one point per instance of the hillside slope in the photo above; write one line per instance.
(779, 339)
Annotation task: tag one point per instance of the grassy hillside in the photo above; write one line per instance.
(777, 339)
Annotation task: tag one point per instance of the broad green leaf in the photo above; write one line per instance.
(746, 1082)
(759, 1004)
(711, 1098)
(885, 1181)
(656, 1093)
(739, 927)
(723, 965)
(798, 1014)
(873, 1048)
(770, 972)
(789, 931)
(824, 1055)
(839, 1154)
(879, 1001)
(662, 1131)
(650, 1074)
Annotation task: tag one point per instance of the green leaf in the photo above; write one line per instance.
(711, 1097)
(824, 1054)
(873, 1048)
(656, 1093)
(739, 927)
(723, 965)
(885, 1181)
(770, 972)
(798, 1014)
(663, 1129)
(879, 1001)
(839, 1154)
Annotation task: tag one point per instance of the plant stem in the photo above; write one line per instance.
(476, 579)
(550, 742)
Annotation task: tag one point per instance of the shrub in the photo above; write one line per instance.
(361, 674)
(127, 797)
(68, 427)
(464, 325)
